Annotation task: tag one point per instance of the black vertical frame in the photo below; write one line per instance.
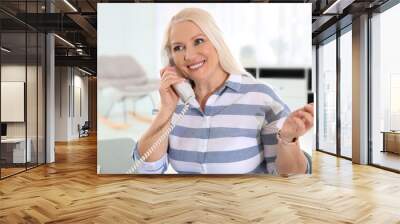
(1, 165)
(26, 86)
(60, 86)
(44, 81)
(73, 91)
(44, 72)
(37, 90)
(69, 93)
(338, 74)
(317, 95)
(369, 90)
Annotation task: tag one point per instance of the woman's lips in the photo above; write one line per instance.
(196, 66)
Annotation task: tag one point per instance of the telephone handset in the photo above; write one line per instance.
(186, 93)
(183, 89)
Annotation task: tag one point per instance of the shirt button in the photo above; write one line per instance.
(207, 122)
(204, 167)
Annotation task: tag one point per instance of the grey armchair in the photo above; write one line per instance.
(127, 77)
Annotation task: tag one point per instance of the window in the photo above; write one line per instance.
(385, 89)
(346, 93)
(327, 96)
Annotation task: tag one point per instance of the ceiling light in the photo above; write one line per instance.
(71, 6)
(337, 7)
(84, 71)
(65, 41)
(5, 50)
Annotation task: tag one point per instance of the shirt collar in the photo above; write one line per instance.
(234, 81)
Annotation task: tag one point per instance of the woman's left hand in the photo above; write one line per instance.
(298, 123)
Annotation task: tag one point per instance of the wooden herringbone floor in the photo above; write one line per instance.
(70, 191)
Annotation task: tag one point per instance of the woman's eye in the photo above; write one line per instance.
(198, 41)
(177, 48)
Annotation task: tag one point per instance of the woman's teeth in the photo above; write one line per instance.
(196, 66)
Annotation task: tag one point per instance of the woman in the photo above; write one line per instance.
(236, 125)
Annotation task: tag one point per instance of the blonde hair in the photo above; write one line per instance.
(207, 24)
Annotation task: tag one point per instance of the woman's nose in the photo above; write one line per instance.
(189, 54)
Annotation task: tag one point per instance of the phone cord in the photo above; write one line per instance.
(139, 162)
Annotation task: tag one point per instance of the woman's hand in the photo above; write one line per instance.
(298, 123)
(169, 98)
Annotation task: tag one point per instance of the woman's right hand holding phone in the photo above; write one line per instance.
(169, 98)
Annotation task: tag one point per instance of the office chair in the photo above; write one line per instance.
(84, 129)
(127, 77)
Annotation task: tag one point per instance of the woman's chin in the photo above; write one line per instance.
(199, 77)
(196, 74)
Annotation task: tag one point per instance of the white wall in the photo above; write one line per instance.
(61, 103)
(14, 73)
(70, 83)
(80, 83)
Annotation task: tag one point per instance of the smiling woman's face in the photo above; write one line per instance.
(193, 53)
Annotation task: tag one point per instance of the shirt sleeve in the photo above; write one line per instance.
(270, 145)
(270, 142)
(155, 167)
(275, 115)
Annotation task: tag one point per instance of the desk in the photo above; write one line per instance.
(391, 141)
(16, 147)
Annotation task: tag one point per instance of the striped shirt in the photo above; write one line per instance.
(235, 134)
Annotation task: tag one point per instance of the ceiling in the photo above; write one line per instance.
(76, 22)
